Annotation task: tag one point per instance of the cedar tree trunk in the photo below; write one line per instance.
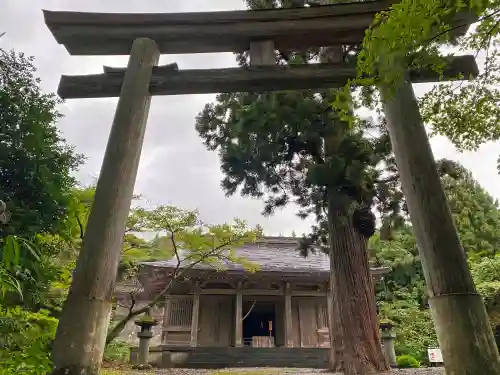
(354, 334)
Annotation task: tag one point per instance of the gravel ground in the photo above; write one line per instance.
(284, 371)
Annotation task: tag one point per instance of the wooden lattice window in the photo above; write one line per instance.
(181, 312)
(322, 315)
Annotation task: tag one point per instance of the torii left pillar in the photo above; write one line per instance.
(82, 329)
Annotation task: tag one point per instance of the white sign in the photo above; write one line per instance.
(435, 355)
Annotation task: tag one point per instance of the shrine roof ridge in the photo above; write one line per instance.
(270, 254)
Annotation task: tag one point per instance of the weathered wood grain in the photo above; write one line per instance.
(288, 317)
(230, 31)
(160, 69)
(255, 79)
(89, 303)
(462, 325)
(218, 17)
(84, 33)
(238, 323)
(195, 319)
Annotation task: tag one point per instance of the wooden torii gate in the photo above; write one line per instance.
(144, 37)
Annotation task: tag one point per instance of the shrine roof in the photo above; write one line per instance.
(270, 254)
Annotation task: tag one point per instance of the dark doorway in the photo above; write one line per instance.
(261, 321)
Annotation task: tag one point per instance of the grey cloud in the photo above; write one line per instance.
(175, 167)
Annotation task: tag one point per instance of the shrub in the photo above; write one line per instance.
(117, 351)
(25, 339)
(407, 361)
(413, 327)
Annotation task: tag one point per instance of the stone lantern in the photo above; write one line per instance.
(388, 336)
(145, 334)
(4, 213)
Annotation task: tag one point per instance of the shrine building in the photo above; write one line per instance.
(275, 316)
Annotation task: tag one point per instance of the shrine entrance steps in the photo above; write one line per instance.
(224, 357)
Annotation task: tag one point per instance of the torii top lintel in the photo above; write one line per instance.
(228, 31)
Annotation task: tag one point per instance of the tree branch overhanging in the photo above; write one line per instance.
(80, 226)
(177, 273)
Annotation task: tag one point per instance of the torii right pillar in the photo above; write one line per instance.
(463, 329)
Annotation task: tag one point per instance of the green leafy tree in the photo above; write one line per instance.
(62, 248)
(271, 146)
(402, 294)
(476, 213)
(25, 339)
(35, 178)
(412, 33)
(35, 162)
(11, 267)
(486, 273)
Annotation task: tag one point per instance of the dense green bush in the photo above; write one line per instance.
(25, 339)
(407, 361)
(413, 327)
(117, 351)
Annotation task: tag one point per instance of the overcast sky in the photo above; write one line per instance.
(175, 167)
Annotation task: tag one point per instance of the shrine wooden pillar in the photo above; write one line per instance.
(195, 318)
(288, 316)
(238, 316)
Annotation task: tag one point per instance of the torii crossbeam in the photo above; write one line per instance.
(255, 79)
(229, 31)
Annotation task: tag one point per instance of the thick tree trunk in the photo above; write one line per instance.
(81, 332)
(461, 321)
(355, 340)
(355, 345)
(334, 321)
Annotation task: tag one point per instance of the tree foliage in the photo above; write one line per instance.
(193, 242)
(25, 339)
(412, 33)
(476, 214)
(35, 162)
(402, 294)
(271, 145)
(35, 180)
